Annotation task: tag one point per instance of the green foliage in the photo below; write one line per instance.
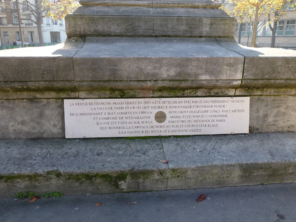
(59, 9)
(56, 194)
(25, 194)
(32, 194)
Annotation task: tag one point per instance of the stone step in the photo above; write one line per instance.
(130, 165)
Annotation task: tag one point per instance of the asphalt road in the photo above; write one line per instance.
(268, 203)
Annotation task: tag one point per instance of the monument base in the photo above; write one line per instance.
(34, 82)
(122, 165)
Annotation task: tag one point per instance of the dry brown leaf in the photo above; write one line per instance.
(33, 199)
(133, 203)
(99, 204)
(201, 198)
(164, 161)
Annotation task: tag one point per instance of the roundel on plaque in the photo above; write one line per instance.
(160, 117)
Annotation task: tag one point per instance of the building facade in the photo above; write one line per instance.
(285, 33)
(53, 31)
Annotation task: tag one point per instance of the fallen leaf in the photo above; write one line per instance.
(33, 199)
(99, 204)
(201, 198)
(133, 203)
(164, 161)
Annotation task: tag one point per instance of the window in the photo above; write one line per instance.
(243, 29)
(291, 7)
(25, 8)
(260, 29)
(6, 38)
(13, 5)
(267, 30)
(3, 21)
(250, 29)
(15, 21)
(2, 6)
(55, 37)
(54, 22)
(47, 21)
(61, 22)
(31, 36)
(280, 28)
(18, 36)
(290, 27)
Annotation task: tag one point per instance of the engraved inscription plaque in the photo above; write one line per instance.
(91, 118)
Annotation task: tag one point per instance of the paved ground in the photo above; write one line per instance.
(269, 203)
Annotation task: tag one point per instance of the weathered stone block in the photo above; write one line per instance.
(211, 161)
(264, 63)
(79, 166)
(155, 59)
(38, 64)
(144, 19)
(273, 114)
(31, 119)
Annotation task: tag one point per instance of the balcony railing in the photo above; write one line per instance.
(29, 24)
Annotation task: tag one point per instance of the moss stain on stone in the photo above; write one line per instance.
(173, 92)
(146, 137)
(116, 93)
(114, 180)
(55, 173)
(144, 175)
(11, 178)
(177, 173)
(270, 172)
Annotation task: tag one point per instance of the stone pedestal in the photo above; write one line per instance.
(155, 18)
(144, 49)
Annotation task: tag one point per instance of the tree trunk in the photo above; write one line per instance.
(240, 33)
(39, 17)
(39, 30)
(20, 23)
(254, 34)
(1, 40)
(273, 34)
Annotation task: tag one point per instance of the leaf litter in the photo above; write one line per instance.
(201, 198)
(164, 161)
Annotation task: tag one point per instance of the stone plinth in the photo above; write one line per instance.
(155, 18)
(34, 82)
(144, 49)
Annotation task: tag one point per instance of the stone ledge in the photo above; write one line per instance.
(153, 3)
(122, 165)
(145, 67)
(264, 63)
(150, 19)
